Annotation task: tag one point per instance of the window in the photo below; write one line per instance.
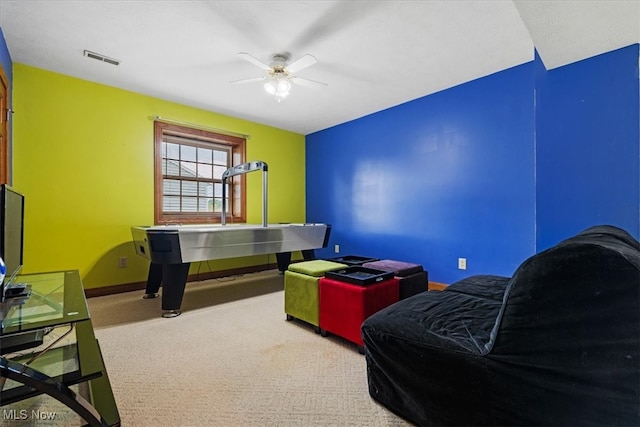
(189, 164)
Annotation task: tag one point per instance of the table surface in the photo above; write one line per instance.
(200, 228)
(57, 298)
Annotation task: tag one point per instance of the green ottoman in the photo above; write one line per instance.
(301, 289)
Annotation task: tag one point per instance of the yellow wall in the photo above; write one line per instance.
(83, 157)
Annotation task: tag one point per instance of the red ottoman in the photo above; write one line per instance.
(413, 278)
(344, 306)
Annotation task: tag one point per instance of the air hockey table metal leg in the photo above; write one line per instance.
(308, 254)
(284, 258)
(174, 279)
(154, 279)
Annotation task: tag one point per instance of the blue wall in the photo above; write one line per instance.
(445, 176)
(7, 66)
(5, 58)
(588, 140)
(473, 171)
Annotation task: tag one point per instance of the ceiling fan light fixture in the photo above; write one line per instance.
(270, 87)
(284, 86)
(278, 87)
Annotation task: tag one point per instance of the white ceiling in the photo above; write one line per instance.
(372, 54)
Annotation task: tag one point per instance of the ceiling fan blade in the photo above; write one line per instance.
(336, 18)
(301, 64)
(249, 80)
(254, 61)
(308, 83)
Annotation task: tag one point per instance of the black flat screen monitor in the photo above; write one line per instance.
(12, 234)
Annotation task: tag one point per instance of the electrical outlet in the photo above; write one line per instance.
(336, 249)
(462, 263)
(122, 262)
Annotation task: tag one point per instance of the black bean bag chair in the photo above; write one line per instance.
(556, 344)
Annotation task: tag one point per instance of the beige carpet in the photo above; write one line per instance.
(231, 359)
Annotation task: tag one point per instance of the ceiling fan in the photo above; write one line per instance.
(280, 75)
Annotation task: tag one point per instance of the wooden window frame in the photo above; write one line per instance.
(236, 209)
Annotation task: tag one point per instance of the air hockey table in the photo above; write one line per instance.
(172, 248)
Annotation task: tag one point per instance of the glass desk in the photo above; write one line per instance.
(47, 345)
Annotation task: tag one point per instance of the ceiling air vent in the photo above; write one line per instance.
(100, 57)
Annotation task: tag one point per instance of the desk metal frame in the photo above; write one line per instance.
(57, 299)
